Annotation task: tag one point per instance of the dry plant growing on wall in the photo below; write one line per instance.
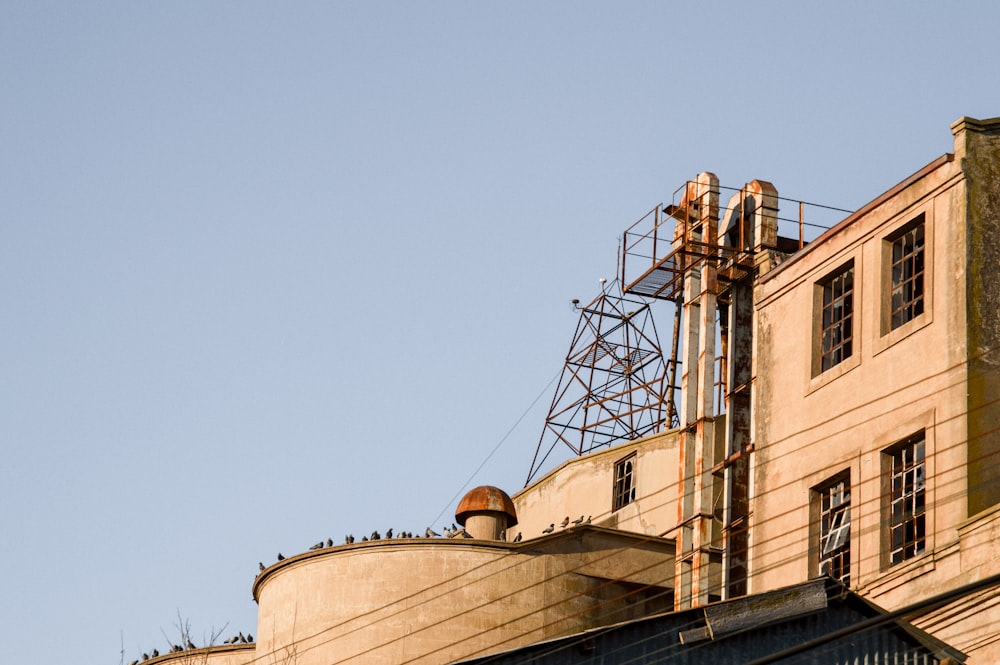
(190, 654)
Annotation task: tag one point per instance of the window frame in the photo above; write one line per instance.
(841, 554)
(895, 472)
(819, 377)
(911, 275)
(625, 470)
(905, 223)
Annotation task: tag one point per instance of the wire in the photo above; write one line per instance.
(937, 500)
(496, 447)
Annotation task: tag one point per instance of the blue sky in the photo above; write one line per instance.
(276, 272)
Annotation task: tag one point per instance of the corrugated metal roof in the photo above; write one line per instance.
(742, 630)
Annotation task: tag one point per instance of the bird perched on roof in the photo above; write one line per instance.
(231, 640)
(261, 564)
(588, 520)
(156, 652)
(250, 638)
(145, 656)
(562, 525)
(388, 534)
(317, 546)
(329, 542)
(465, 534)
(550, 529)
(191, 644)
(579, 521)
(281, 557)
(375, 536)
(431, 533)
(243, 640)
(517, 538)
(134, 662)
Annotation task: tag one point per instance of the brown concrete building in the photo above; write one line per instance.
(857, 437)
(875, 422)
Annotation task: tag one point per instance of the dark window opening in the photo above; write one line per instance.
(907, 500)
(837, 317)
(624, 491)
(907, 295)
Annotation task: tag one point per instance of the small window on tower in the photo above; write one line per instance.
(624, 490)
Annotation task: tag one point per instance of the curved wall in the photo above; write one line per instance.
(437, 601)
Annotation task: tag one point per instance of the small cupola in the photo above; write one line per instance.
(486, 512)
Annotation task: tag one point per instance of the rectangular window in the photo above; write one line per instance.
(835, 529)
(624, 492)
(837, 318)
(907, 503)
(907, 270)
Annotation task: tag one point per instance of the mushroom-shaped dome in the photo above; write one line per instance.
(486, 499)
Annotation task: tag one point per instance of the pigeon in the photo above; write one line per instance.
(562, 525)
(550, 529)
(281, 557)
(588, 520)
(176, 648)
(134, 662)
(156, 652)
(364, 539)
(466, 534)
(261, 564)
(375, 536)
(517, 538)
(579, 521)
(145, 656)
(329, 542)
(388, 534)
(191, 644)
(250, 638)
(448, 532)
(431, 533)
(231, 640)
(243, 640)
(503, 535)
(317, 546)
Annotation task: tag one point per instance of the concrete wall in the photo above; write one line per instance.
(437, 600)
(584, 486)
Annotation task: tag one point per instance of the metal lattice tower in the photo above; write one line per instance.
(613, 386)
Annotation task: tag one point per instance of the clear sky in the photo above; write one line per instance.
(272, 272)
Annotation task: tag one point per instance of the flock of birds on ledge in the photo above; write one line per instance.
(453, 532)
(174, 648)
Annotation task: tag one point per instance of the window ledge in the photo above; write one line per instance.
(835, 372)
(892, 337)
(900, 574)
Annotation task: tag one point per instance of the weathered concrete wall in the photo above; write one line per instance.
(977, 147)
(584, 486)
(436, 601)
(812, 425)
(936, 373)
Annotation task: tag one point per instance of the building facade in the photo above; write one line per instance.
(858, 441)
